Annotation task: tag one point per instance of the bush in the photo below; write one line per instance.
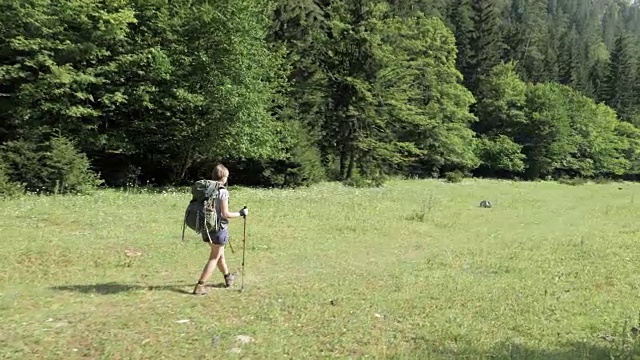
(51, 167)
(359, 181)
(302, 167)
(577, 181)
(67, 169)
(500, 153)
(8, 188)
(22, 164)
(603, 180)
(454, 176)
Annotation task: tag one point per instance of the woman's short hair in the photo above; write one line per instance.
(219, 172)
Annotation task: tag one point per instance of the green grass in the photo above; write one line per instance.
(412, 270)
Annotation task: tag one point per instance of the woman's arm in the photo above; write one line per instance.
(224, 210)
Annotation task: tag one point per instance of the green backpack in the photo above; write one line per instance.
(200, 215)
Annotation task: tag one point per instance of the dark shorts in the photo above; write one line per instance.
(220, 238)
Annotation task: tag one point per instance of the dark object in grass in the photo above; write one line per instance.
(485, 204)
(215, 340)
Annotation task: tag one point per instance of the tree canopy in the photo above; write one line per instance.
(292, 92)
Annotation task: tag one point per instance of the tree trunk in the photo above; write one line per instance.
(351, 163)
(186, 165)
(343, 163)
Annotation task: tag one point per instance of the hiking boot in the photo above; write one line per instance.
(229, 279)
(200, 290)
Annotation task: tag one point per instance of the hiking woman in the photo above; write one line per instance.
(218, 240)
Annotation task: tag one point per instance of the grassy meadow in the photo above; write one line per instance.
(415, 269)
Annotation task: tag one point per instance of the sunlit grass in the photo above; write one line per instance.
(412, 270)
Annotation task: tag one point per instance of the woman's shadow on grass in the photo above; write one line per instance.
(118, 288)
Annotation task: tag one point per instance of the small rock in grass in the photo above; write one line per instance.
(132, 253)
(182, 321)
(215, 340)
(244, 339)
(607, 337)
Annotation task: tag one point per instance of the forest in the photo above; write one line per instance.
(293, 92)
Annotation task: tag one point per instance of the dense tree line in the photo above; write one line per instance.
(289, 92)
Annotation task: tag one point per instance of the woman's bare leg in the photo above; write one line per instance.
(217, 251)
(222, 263)
(222, 266)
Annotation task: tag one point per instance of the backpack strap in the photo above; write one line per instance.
(204, 219)
(210, 202)
(218, 218)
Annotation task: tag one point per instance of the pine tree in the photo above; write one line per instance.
(527, 38)
(569, 59)
(611, 24)
(620, 93)
(461, 17)
(485, 43)
(599, 72)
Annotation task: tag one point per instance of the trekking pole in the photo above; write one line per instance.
(244, 247)
(231, 247)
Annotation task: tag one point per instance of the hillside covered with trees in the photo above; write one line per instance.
(289, 92)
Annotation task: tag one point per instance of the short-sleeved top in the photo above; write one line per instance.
(223, 193)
